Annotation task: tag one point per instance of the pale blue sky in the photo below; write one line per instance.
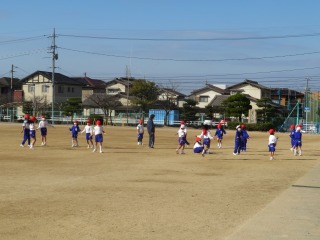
(171, 42)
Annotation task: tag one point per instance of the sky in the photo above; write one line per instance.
(175, 43)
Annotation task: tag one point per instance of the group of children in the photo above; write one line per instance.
(29, 131)
(90, 131)
(201, 145)
(296, 139)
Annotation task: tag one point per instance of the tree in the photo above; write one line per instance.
(72, 106)
(167, 102)
(267, 111)
(106, 103)
(189, 110)
(145, 93)
(237, 105)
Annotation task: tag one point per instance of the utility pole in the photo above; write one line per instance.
(128, 76)
(11, 76)
(306, 105)
(54, 58)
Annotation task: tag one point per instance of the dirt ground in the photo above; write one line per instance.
(133, 192)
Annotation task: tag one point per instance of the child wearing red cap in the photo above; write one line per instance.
(98, 137)
(74, 133)
(25, 130)
(88, 129)
(43, 130)
(244, 139)
(198, 147)
(206, 135)
(219, 134)
(291, 135)
(140, 131)
(272, 143)
(181, 139)
(32, 126)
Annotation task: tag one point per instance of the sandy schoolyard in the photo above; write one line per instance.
(133, 192)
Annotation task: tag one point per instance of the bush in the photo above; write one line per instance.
(262, 127)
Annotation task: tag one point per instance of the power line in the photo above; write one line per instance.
(190, 60)
(194, 39)
(22, 40)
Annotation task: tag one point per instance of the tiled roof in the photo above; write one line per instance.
(210, 87)
(58, 78)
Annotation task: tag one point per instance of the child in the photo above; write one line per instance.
(297, 141)
(185, 129)
(32, 126)
(245, 137)
(43, 130)
(88, 129)
(206, 135)
(291, 135)
(272, 143)
(74, 133)
(237, 140)
(98, 131)
(26, 131)
(219, 134)
(198, 147)
(181, 139)
(140, 131)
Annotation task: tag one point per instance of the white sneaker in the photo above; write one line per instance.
(177, 151)
(94, 150)
(21, 145)
(100, 151)
(182, 152)
(235, 154)
(88, 146)
(295, 152)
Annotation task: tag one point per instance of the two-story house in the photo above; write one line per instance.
(10, 97)
(39, 85)
(206, 94)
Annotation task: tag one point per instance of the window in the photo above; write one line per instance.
(31, 88)
(203, 99)
(112, 90)
(60, 89)
(44, 88)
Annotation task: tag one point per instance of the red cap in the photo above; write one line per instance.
(98, 123)
(140, 120)
(292, 126)
(26, 116)
(88, 121)
(33, 119)
(219, 125)
(242, 126)
(271, 131)
(198, 139)
(181, 122)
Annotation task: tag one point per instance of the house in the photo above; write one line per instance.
(10, 97)
(175, 97)
(91, 86)
(286, 97)
(251, 88)
(205, 95)
(119, 85)
(39, 83)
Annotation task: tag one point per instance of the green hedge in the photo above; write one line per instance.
(262, 127)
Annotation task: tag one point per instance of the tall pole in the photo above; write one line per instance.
(128, 76)
(306, 103)
(54, 58)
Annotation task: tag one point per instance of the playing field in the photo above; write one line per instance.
(133, 192)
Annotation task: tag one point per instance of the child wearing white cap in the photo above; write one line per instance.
(43, 130)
